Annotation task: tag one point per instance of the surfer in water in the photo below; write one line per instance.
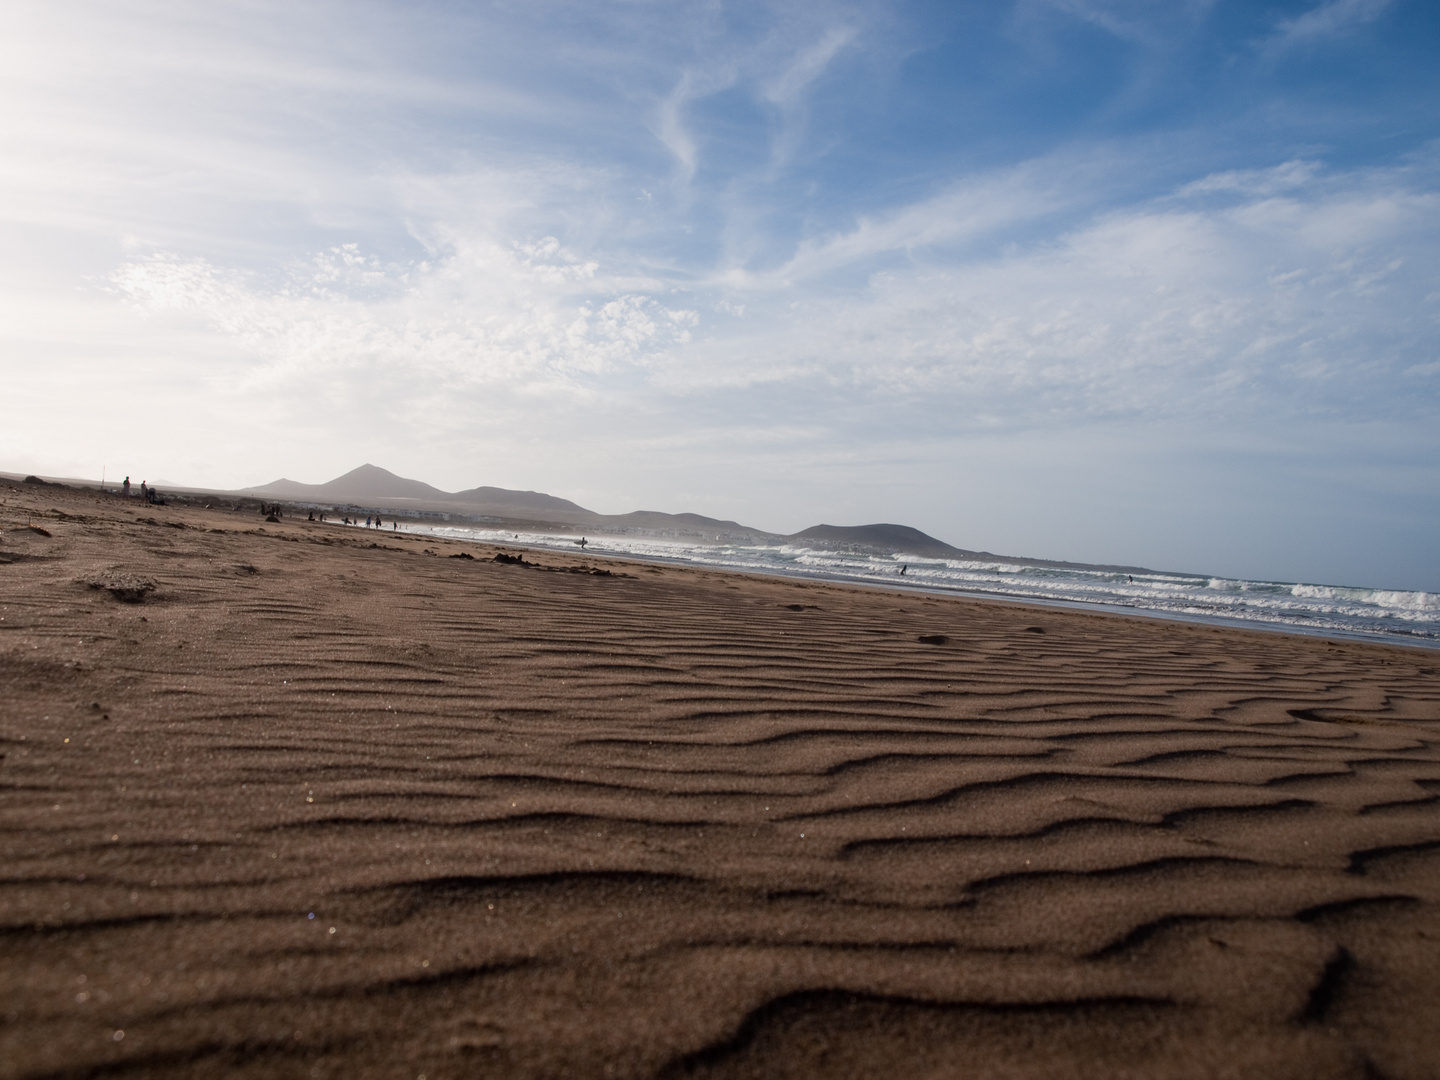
(581, 541)
(903, 568)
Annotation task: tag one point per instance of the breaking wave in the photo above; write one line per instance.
(1353, 612)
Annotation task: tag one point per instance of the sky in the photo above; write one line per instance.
(1153, 282)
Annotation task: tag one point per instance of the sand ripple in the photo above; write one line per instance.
(334, 806)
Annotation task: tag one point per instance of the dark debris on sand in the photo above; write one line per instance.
(127, 588)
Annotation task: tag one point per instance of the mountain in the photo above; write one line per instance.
(371, 487)
(363, 485)
(896, 539)
(503, 502)
(683, 526)
(879, 538)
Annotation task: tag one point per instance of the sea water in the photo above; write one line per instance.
(1397, 615)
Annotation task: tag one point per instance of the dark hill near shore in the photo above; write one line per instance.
(882, 537)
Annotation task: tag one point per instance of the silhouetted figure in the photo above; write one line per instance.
(144, 491)
(903, 568)
(311, 517)
(581, 541)
(125, 487)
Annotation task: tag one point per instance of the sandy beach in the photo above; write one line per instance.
(300, 800)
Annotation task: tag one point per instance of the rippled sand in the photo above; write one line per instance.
(332, 803)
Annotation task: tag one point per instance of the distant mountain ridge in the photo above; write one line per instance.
(366, 482)
(373, 488)
(372, 485)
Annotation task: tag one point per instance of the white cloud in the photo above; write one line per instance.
(1264, 306)
(1138, 21)
(984, 206)
(530, 316)
(1329, 19)
(1253, 182)
(671, 130)
(807, 66)
(1303, 290)
(778, 69)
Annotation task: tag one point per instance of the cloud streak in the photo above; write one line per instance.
(1293, 292)
(1329, 19)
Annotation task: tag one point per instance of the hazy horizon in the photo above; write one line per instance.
(1105, 281)
(112, 485)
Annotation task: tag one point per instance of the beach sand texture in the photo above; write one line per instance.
(333, 803)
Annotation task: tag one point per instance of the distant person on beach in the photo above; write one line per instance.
(378, 523)
(125, 487)
(144, 491)
(581, 541)
(903, 568)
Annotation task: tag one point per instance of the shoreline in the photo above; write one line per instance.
(1099, 607)
(1277, 621)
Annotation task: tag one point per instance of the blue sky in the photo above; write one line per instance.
(1142, 282)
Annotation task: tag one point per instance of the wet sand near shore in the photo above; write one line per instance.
(296, 800)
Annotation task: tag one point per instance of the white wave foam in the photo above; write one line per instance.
(1315, 607)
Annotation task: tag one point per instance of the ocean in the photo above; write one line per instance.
(1394, 615)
